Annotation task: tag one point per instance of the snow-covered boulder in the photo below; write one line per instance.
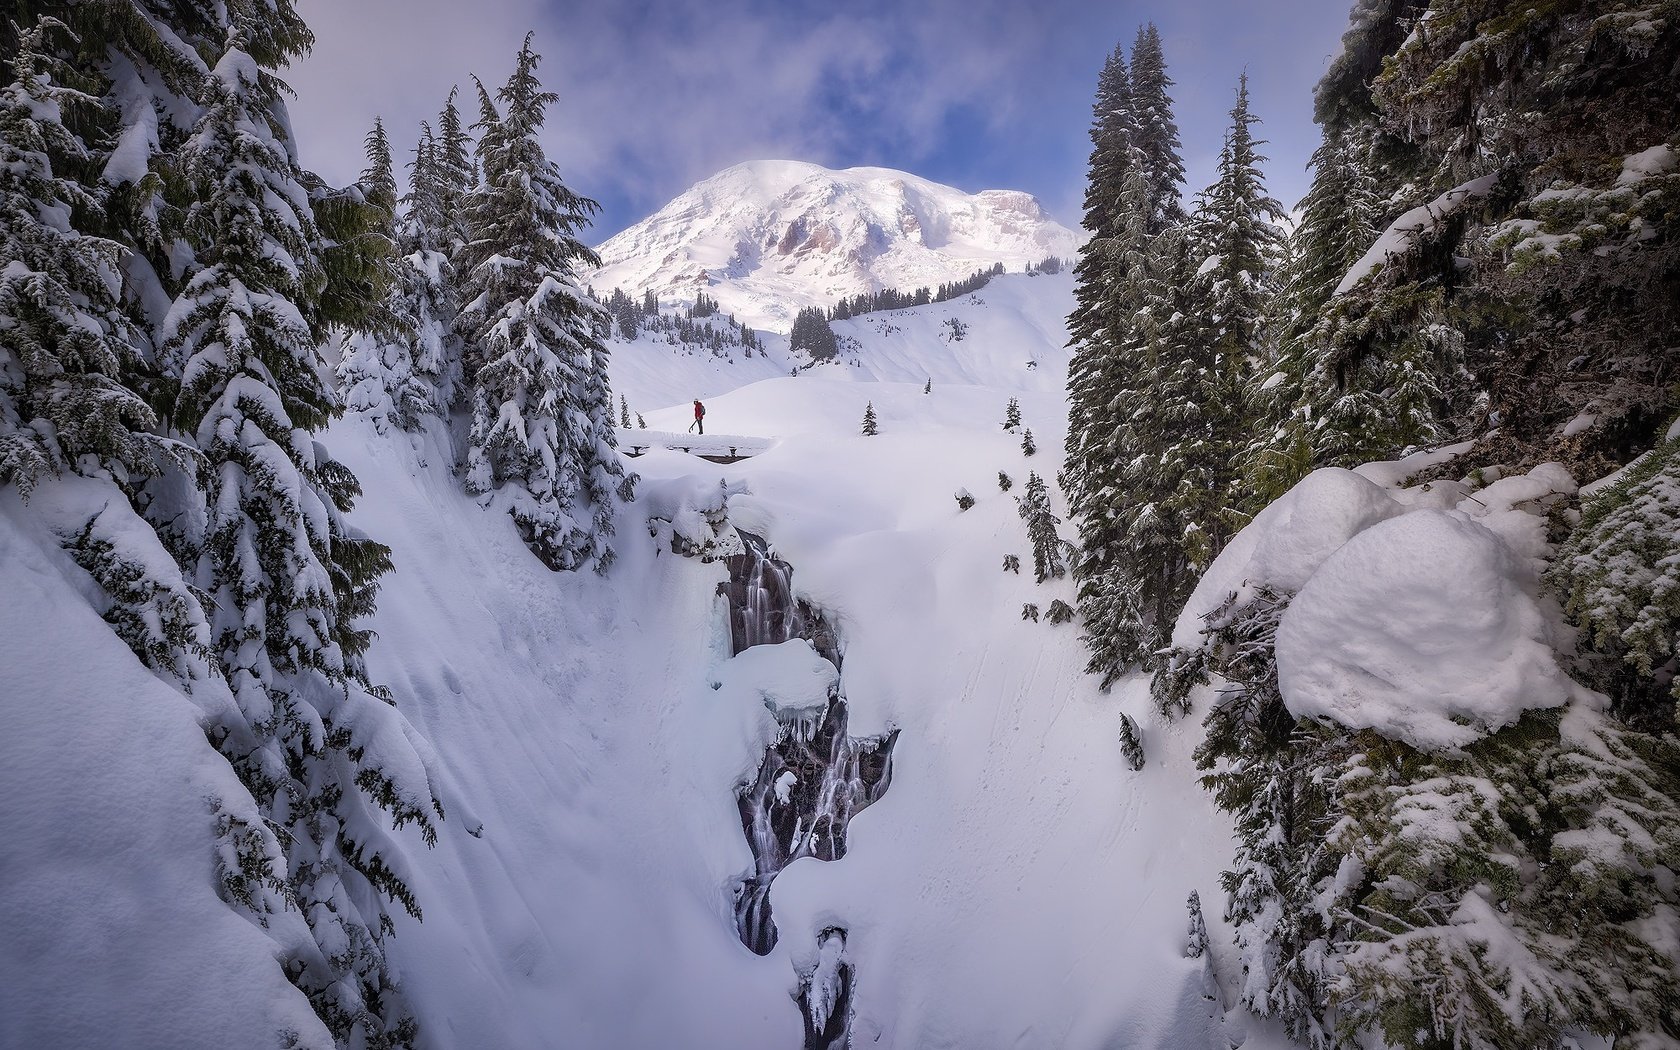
(1426, 628)
(1287, 542)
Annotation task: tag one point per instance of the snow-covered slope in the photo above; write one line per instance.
(1013, 335)
(766, 238)
(1015, 886)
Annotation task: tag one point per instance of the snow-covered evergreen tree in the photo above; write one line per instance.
(1131, 742)
(1107, 370)
(1028, 446)
(1196, 934)
(456, 175)
(870, 429)
(1240, 246)
(1012, 414)
(1619, 575)
(1041, 521)
(1288, 400)
(286, 574)
(67, 347)
(1155, 137)
(542, 438)
(383, 368)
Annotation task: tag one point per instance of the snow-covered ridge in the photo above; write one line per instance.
(766, 238)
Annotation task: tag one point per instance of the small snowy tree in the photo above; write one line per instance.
(1012, 414)
(1059, 612)
(1196, 936)
(1028, 446)
(869, 427)
(1041, 523)
(965, 499)
(1131, 742)
(1029, 611)
(1012, 563)
(542, 438)
(623, 412)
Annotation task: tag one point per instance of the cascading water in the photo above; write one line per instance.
(813, 777)
(762, 606)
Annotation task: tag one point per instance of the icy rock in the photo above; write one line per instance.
(1288, 541)
(1425, 628)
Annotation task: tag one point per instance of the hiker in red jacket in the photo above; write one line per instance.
(699, 416)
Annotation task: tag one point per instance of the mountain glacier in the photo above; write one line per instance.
(766, 238)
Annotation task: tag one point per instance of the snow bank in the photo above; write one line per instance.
(786, 678)
(1646, 164)
(1426, 628)
(1287, 542)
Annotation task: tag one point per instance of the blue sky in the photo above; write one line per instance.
(657, 94)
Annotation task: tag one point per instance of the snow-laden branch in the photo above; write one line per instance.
(1405, 233)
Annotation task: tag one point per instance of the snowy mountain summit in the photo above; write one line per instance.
(768, 237)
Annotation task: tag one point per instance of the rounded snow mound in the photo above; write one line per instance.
(1287, 542)
(1425, 628)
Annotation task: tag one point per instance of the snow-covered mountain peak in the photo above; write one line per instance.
(768, 237)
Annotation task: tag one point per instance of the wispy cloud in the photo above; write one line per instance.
(656, 94)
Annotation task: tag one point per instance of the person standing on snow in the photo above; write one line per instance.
(699, 416)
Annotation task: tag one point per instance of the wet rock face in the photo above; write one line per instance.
(814, 777)
(762, 606)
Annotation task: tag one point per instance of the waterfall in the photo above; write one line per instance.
(813, 777)
(762, 607)
(825, 994)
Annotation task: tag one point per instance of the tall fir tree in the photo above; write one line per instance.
(456, 174)
(1156, 134)
(542, 438)
(382, 371)
(1289, 399)
(287, 575)
(1132, 200)
(1239, 243)
(1111, 370)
